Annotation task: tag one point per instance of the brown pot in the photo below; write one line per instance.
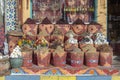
(47, 27)
(77, 60)
(79, 29)
(91, 59)
(59, 61)
(93, 28)
(106, 59)
(27, 58)
(30, 28)
(43, 60)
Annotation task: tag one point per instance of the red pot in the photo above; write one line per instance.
(44, 62)
(77, 60)
(106, 59)
(59, 61)
(91, 59)
(27, 58)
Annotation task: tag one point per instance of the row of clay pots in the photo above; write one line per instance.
(89, 59)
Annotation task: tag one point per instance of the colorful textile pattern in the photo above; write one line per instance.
(10, 10)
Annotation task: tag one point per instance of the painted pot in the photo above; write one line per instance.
(27, 58)
(106, 59)
(30, 30)
(43, 60)
(77, 60)
(59, 61)
(47, 27)
(94, 28)
(79, 29)
(91, 59)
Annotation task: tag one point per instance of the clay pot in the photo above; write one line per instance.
(59, 61)
(91, 59)
(47, 27)
(43, 60)
(106, 59)
(27, 58)
(77, 60)
(79, 28)
(93, 28)
(30, 30)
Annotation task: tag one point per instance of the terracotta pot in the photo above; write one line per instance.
(48, 27)
(77, 60)
(106, 59)
(12, 42)
(27, 58)
(79, 29)
(30, 29)
(64, 28)
(43, 60)
(59, 61)
(91, 59)
(93, 28)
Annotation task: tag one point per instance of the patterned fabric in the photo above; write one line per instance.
(10, 16)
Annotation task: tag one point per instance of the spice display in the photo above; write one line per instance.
(77, 57)
(59, 57)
